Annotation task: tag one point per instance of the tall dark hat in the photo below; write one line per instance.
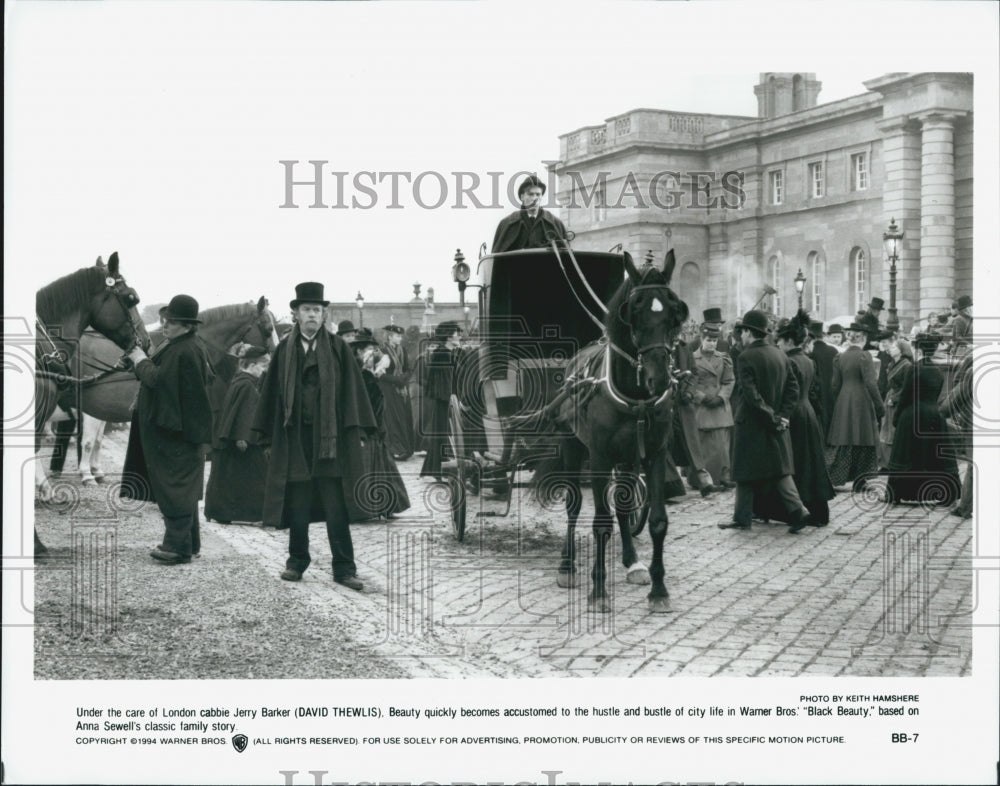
(309, 292)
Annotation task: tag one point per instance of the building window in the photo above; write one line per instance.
(774, 279)
(600, 204)
(859, 166)
(859, 276)
(816, 278)
(817, 184)
(777, 187)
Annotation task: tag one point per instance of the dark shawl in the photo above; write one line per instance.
(517, 231)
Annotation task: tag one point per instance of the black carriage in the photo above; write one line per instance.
(538, 308)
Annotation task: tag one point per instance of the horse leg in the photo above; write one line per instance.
(628, 493)
(658, 597)
(95, 458)
(598, 599)
(572, 461)
(89, 445)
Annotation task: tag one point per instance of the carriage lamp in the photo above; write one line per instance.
(892, 241)
(360, 301)
(460, 271)
(800, 285)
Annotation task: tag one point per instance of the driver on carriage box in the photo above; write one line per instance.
(531, 226)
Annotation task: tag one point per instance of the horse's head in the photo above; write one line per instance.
(113, 309)
(653, 316)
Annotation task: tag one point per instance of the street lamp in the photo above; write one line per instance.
(892, 241)
(800, 286)
(361, 309)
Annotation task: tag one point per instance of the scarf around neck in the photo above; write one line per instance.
(327, 389)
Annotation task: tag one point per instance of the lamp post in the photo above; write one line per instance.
(891, 240)
(360, 301)
(800, 286)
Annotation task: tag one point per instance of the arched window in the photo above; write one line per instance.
(817, 283)
(859, 277)
(774, 279)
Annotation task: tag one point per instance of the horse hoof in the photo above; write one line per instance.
(100, 480)
(89, 482)
(601, 605)
(566, 580)
(659, 605)
(637, 574)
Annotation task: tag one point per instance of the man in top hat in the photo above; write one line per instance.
(711, 318)
(531, 226)
(875, 308)
(962, 325)
(823, 355)
(439, 384)
(166, 464)
(346, 330)
(762, 447)
(393, 384)
(315, 416)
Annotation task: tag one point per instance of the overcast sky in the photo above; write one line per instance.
(157, 130)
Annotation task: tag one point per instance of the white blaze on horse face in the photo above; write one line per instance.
(657, 305)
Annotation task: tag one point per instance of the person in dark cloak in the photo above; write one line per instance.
(439, 384)
(166, 464)
(235, 489)
(530, 227)
(315, 417)
(823, 354)
(383, 492)
(393, 384)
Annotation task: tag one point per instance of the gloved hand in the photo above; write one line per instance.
(241, 445)
(136, 355)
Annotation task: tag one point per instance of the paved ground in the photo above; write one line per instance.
(881, 591)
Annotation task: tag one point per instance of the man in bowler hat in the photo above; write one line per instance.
(762, 447)
(531, 226)
(315, 416)
(166, 464)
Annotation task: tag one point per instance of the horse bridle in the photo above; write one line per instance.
(126, 300)
(624, 314)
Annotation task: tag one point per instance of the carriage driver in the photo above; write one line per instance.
(531, 226)
(315, 416)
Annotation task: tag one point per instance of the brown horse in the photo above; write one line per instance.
(618, 412)
(97, 297)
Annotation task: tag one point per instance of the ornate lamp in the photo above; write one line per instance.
(892, 241)
(800, 285)
(360, 301)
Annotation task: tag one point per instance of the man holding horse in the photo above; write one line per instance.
(315, 416)
(531, 226)
(174, 421)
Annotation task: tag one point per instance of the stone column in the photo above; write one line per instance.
(901, 201)
(937, 212)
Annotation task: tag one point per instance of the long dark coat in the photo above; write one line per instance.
(517, 231)
(824, 355)
(916, 464)
(235, 489)
(397, 418)
(767, 392)
(895, 376)
(382, 491)
(858, 403)
(165, 463)
(439, 384)
(355, 424)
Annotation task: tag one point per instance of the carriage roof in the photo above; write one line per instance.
(525, 294)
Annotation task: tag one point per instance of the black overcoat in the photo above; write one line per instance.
(355, 424)
(767, 392)
(517, 231)
(824, 354)
(174, 420)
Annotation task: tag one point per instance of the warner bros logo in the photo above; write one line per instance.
(240, 742)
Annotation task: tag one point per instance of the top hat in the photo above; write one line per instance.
(394, 329)
(877, 303)
(308, 292)
(964, 302)
(345, 326)
(363, 338)
(927, 342)
(182, 308)
(528, 182)
(446, 330)
(834, 329)
(755, 321)
(815, 328)
(712, 316)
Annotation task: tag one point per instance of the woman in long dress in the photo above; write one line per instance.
(853, 435)
(902, 359)
(922, 465)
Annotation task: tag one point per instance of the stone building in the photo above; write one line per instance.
(749, 201)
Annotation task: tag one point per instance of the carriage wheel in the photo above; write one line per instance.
(456, 478)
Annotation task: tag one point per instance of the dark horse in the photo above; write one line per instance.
(618, 409)
(97, 297)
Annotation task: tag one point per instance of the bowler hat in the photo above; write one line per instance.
(834, 329)
(363, 338)
(877, 303)
(712, 315)
(394, 329)
(816, 328)
(446, 330)
(182, 308)
(528, 182)
(755, 321)
(964, 302)
(308, 292)
(345, 326)
(861, 327)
